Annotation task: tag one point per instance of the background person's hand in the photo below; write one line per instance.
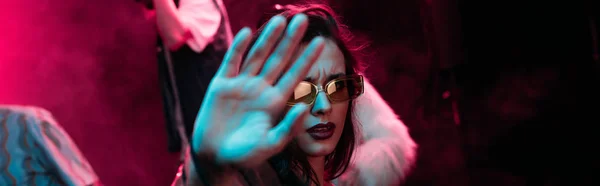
(238, 121)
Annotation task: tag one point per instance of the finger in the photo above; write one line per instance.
(230, 65)
(280, 58)
(281, 134)
(301, 66)
(264, 45)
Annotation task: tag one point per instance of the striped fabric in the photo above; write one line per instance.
(35, 150)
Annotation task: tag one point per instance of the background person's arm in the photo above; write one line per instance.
(194, 23)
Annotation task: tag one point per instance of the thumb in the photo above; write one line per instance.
(288, 128)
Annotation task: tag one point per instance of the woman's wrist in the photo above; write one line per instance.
(206, 166)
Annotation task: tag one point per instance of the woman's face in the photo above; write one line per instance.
(324, 126)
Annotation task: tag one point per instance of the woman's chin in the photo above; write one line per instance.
(318, 150)
(315, 148)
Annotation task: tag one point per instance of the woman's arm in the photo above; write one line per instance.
(210, 174)
(203, 171)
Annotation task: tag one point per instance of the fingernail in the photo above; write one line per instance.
(277, 18)
(245, 30)
(317, 41)
(300, 16)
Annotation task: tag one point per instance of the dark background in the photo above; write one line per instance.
(519, 78)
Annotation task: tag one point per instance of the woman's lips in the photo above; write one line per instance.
(321, 131)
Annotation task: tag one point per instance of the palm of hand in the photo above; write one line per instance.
(245, 109)
(238, 120)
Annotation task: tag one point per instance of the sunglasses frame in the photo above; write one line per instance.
(322, 88)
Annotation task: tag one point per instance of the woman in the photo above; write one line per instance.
(234, 135)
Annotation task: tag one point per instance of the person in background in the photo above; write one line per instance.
(35, 150)
(194, 36)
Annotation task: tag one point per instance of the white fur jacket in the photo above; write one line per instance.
(387, 152)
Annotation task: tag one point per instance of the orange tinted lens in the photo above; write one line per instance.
(304, 93)
(338, 90)
(344, 89)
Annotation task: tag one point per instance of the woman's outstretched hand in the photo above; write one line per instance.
(238, 120)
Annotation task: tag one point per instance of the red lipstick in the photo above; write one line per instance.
(321, 131)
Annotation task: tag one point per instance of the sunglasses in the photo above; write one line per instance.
(337, 90)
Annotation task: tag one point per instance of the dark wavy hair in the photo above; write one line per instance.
(322, 21)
